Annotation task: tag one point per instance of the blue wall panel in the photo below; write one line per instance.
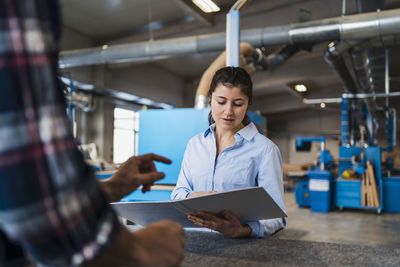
(166, 132)
(153, 195)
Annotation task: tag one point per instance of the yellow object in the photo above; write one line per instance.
(349, 174)
(346, 174)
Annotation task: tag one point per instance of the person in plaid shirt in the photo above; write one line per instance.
(50, 201)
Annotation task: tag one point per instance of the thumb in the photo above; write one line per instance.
(150, 177)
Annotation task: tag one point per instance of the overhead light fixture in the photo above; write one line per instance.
(323, 105)
(301, 88)
(207, 6)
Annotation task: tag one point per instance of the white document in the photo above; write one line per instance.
(249, 204)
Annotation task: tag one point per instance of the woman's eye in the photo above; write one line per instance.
(238, 105)
(221, 103)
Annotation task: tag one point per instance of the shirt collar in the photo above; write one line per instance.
(209, 129)
(248, 132)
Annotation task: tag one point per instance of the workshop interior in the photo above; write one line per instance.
(326, 91)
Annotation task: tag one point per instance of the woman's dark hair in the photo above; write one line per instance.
(232, 77)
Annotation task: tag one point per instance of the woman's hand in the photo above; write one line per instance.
(200, 193)
(224, 222)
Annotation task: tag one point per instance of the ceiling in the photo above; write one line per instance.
(119, 21)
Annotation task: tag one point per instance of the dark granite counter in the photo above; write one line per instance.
(213, 249)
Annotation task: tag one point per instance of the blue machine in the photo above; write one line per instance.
(321, 190)
(325, 156)
(348, 192)
(302, 194)
(316, 190)
(167, 132)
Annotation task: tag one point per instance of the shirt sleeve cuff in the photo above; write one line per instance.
(256, 229)
(180, 194)
(107, 232)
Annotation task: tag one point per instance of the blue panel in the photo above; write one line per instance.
(103, 175)
(167, 132)
(258, 120)
(153, 195)
(391, 194)
(321, 201)
(348, 194)
(302, 194)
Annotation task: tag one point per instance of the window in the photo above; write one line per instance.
(125, 129)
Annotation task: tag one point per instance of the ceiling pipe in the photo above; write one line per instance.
(369, 66)
(334, 57)
(354, 27)
(338, 100)
(336, 52)
(277, 58)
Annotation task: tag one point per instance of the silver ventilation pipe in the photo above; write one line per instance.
(354, 27)
(334, 57)
(369, 66)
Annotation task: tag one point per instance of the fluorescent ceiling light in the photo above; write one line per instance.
(207, 6)
(301, 88)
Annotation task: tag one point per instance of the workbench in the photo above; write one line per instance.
(213, 249)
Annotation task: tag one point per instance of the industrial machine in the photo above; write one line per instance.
(317, 188)
(361, 155)
(362, 181)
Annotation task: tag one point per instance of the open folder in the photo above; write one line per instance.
(248, 204)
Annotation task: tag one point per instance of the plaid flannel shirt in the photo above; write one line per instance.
(50, 201)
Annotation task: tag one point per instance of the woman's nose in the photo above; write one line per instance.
(228, 109)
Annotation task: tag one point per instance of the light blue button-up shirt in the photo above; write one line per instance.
(253, 160)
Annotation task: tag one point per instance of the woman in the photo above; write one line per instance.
(231, 154)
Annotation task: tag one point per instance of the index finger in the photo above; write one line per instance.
(152, 156)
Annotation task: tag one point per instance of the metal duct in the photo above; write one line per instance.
(369, 67)
(259, 61)
(354, 27)
(334, 57)
(275, 59)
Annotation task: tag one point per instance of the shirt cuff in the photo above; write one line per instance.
(256, 229)
(107, 232)
(180, 194)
